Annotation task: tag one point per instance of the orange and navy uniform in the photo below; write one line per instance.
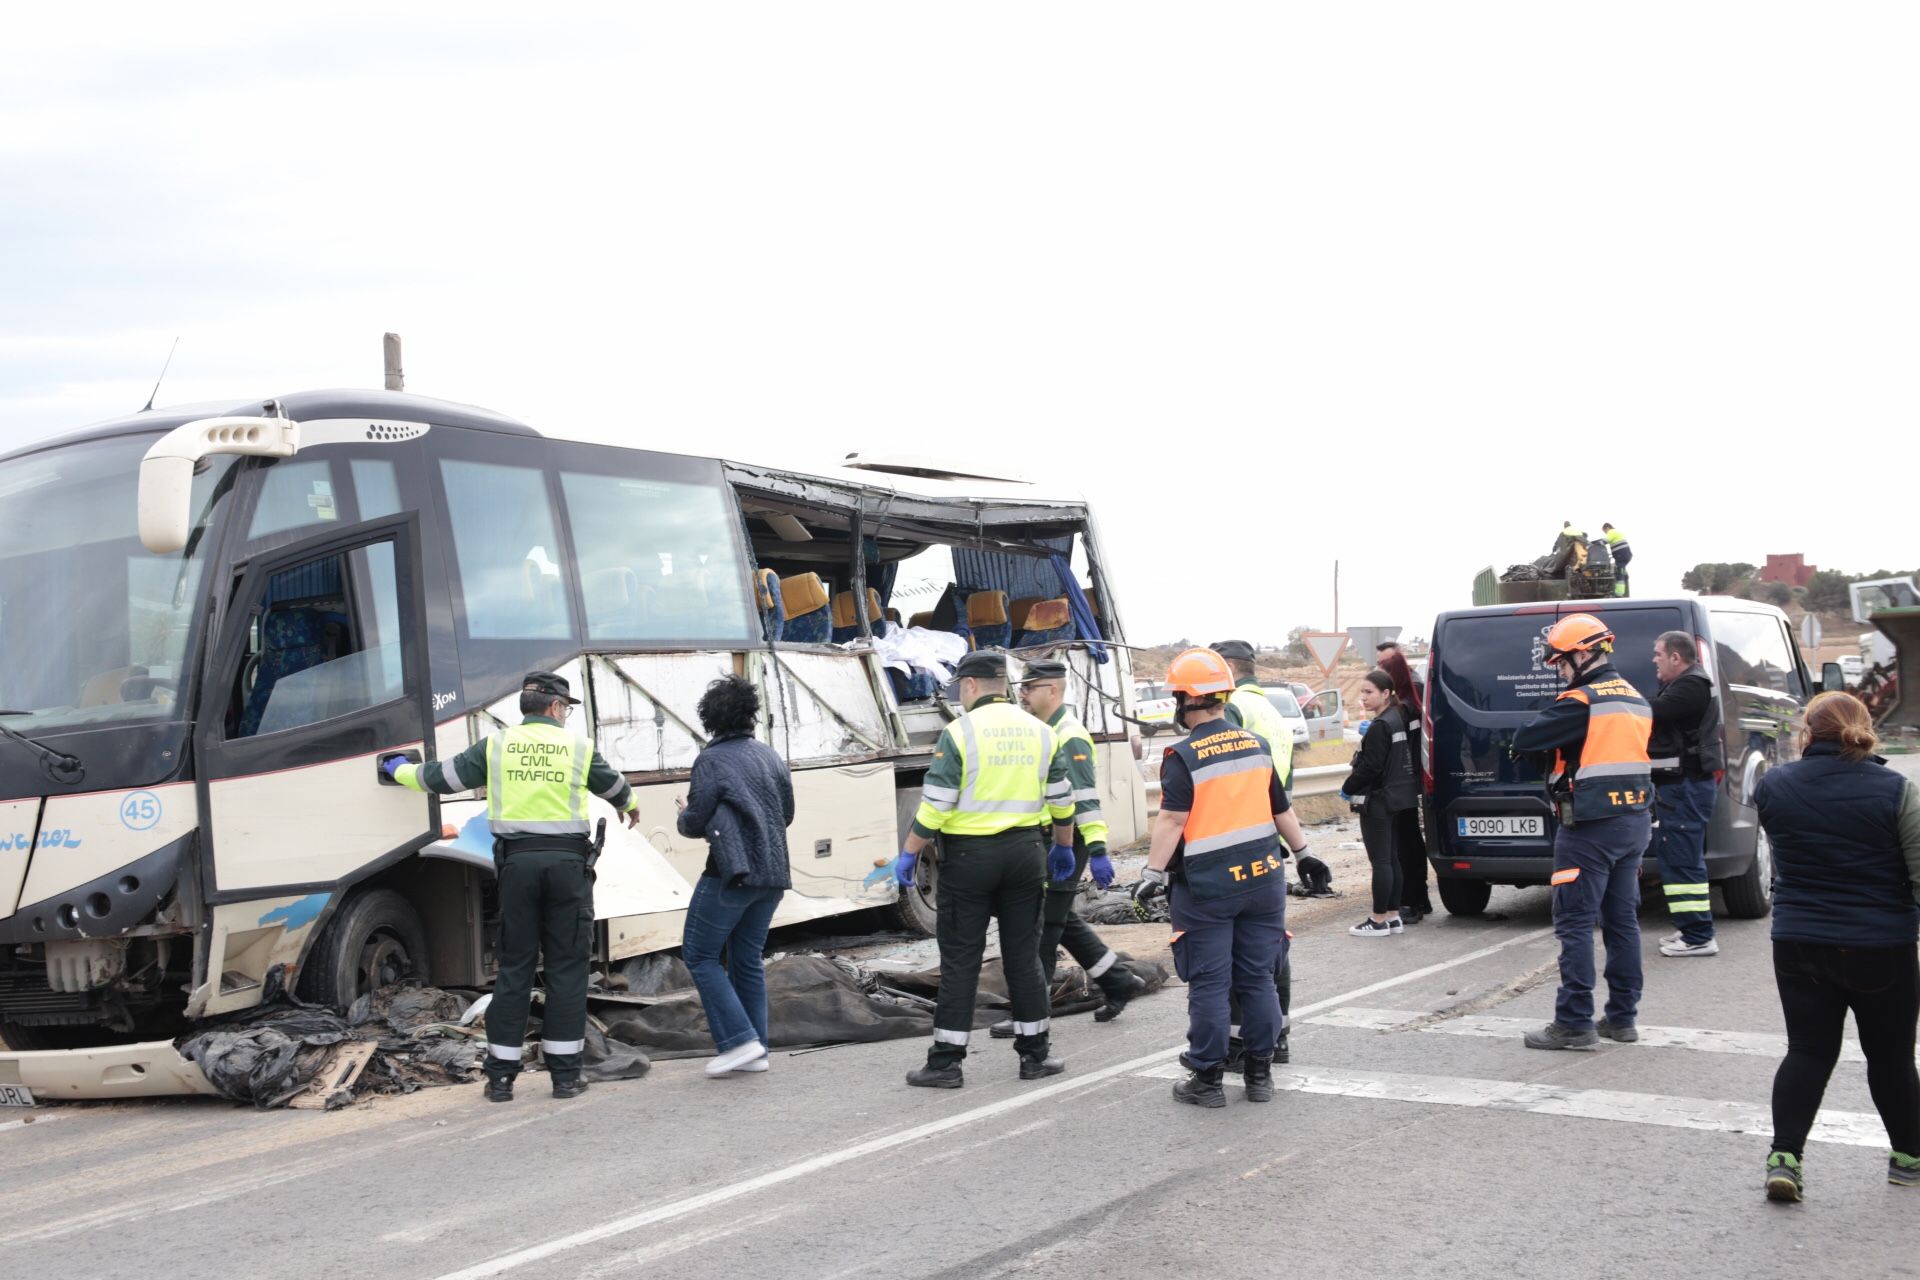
(1223, 779)
(1597, 730)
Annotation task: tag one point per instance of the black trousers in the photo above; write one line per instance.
(1412, 851)
(1378, 830)
(983, 878)
(546, 910)
(1061, 925)
(1818, 985)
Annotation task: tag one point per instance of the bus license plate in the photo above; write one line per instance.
(1483, 828)
(15, 1095)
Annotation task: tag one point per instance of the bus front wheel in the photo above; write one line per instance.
(918, 910)
(375, 940)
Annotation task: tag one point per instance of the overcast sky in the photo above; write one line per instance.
(1402, 285)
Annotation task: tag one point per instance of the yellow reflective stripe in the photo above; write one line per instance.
(1673, 889)
(1689, 908)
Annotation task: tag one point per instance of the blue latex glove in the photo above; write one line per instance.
(903, 868)
(1100, 865)
(1361, 728)
(1346, 797)
(1060, 862)
(391, 765)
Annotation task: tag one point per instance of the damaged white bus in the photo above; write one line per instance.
(217, 618)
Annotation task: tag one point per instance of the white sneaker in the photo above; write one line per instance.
(736, 1057)
(1397, 925)
(758, 1064)
(1681, 947)
(1667, 938)
(1371, 928)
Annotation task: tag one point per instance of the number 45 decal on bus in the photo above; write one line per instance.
(140, 811)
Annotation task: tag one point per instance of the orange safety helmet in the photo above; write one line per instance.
(1577, 633)
(1200, 673)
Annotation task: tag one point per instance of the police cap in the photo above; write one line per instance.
(1045, 669)
(554, 686)
(1233, 650)
(982, 664)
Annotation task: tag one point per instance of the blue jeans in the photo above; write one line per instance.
(1680, 851)
(1596, 877)
(735, 993)
(1229, 947)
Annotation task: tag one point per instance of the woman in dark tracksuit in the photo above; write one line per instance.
(1409, 844)
(1382, 782)
(1845, 832)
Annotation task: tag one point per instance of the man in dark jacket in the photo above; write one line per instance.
(1688, 757)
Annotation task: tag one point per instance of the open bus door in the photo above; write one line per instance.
(319, 670)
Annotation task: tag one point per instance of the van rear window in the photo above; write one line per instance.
(1493, 663)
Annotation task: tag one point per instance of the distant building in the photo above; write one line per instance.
(1792, 570)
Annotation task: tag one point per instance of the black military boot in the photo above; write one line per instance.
(499, 1088)
(1280, 1051)
(1039, 1068)
(939, 1073)
(572, 1087)
(1002, 1030)
(1119, 986)
(1258, 1073)
(1202, 1088)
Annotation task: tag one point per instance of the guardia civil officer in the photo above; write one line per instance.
(537, 776)
(1044, 693)
(1214, 842)
(994, 783)
(1601, 781)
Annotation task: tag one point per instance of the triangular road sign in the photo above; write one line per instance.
(1326, 647)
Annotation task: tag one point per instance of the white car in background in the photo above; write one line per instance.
(1290, 714)
(1152, 707)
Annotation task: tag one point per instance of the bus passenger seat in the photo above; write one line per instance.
(987, 620)
(766, 600)
(1017, 611)
(290, 640)
(922, 619)
(1048, 622)
(846, 626)
(805, 597)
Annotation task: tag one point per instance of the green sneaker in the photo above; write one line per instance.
(1903, 1171)
(1784, 1184)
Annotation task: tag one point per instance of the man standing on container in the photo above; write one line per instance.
(994, 783)
(1602, 789)
(537, 776)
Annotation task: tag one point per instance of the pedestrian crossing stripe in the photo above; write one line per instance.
(1845, 1128)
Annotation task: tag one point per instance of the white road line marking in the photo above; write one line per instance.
(49, 1118)
(1752, 1044)
(887, 1142)
(1848, 1128)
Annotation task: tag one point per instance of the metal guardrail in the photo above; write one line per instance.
(1313, 780)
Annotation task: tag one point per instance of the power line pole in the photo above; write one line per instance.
(396, 377)
(1336, 595)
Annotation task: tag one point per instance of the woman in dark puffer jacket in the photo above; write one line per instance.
(1845, 832)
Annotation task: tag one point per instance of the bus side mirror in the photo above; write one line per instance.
(1832, 678)
(166, 472)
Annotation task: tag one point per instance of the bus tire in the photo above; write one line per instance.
(374, 940)
(1465, 897)
(1749, 895)
(918, 908)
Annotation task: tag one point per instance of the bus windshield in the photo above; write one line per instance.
(93, 625)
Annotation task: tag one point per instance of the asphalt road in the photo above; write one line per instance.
(1413, 1133)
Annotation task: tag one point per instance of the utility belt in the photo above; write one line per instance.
(1560, 795)
(505, 847)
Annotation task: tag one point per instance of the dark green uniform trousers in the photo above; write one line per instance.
(981, 878)
(1061, 926)
(546, 909)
